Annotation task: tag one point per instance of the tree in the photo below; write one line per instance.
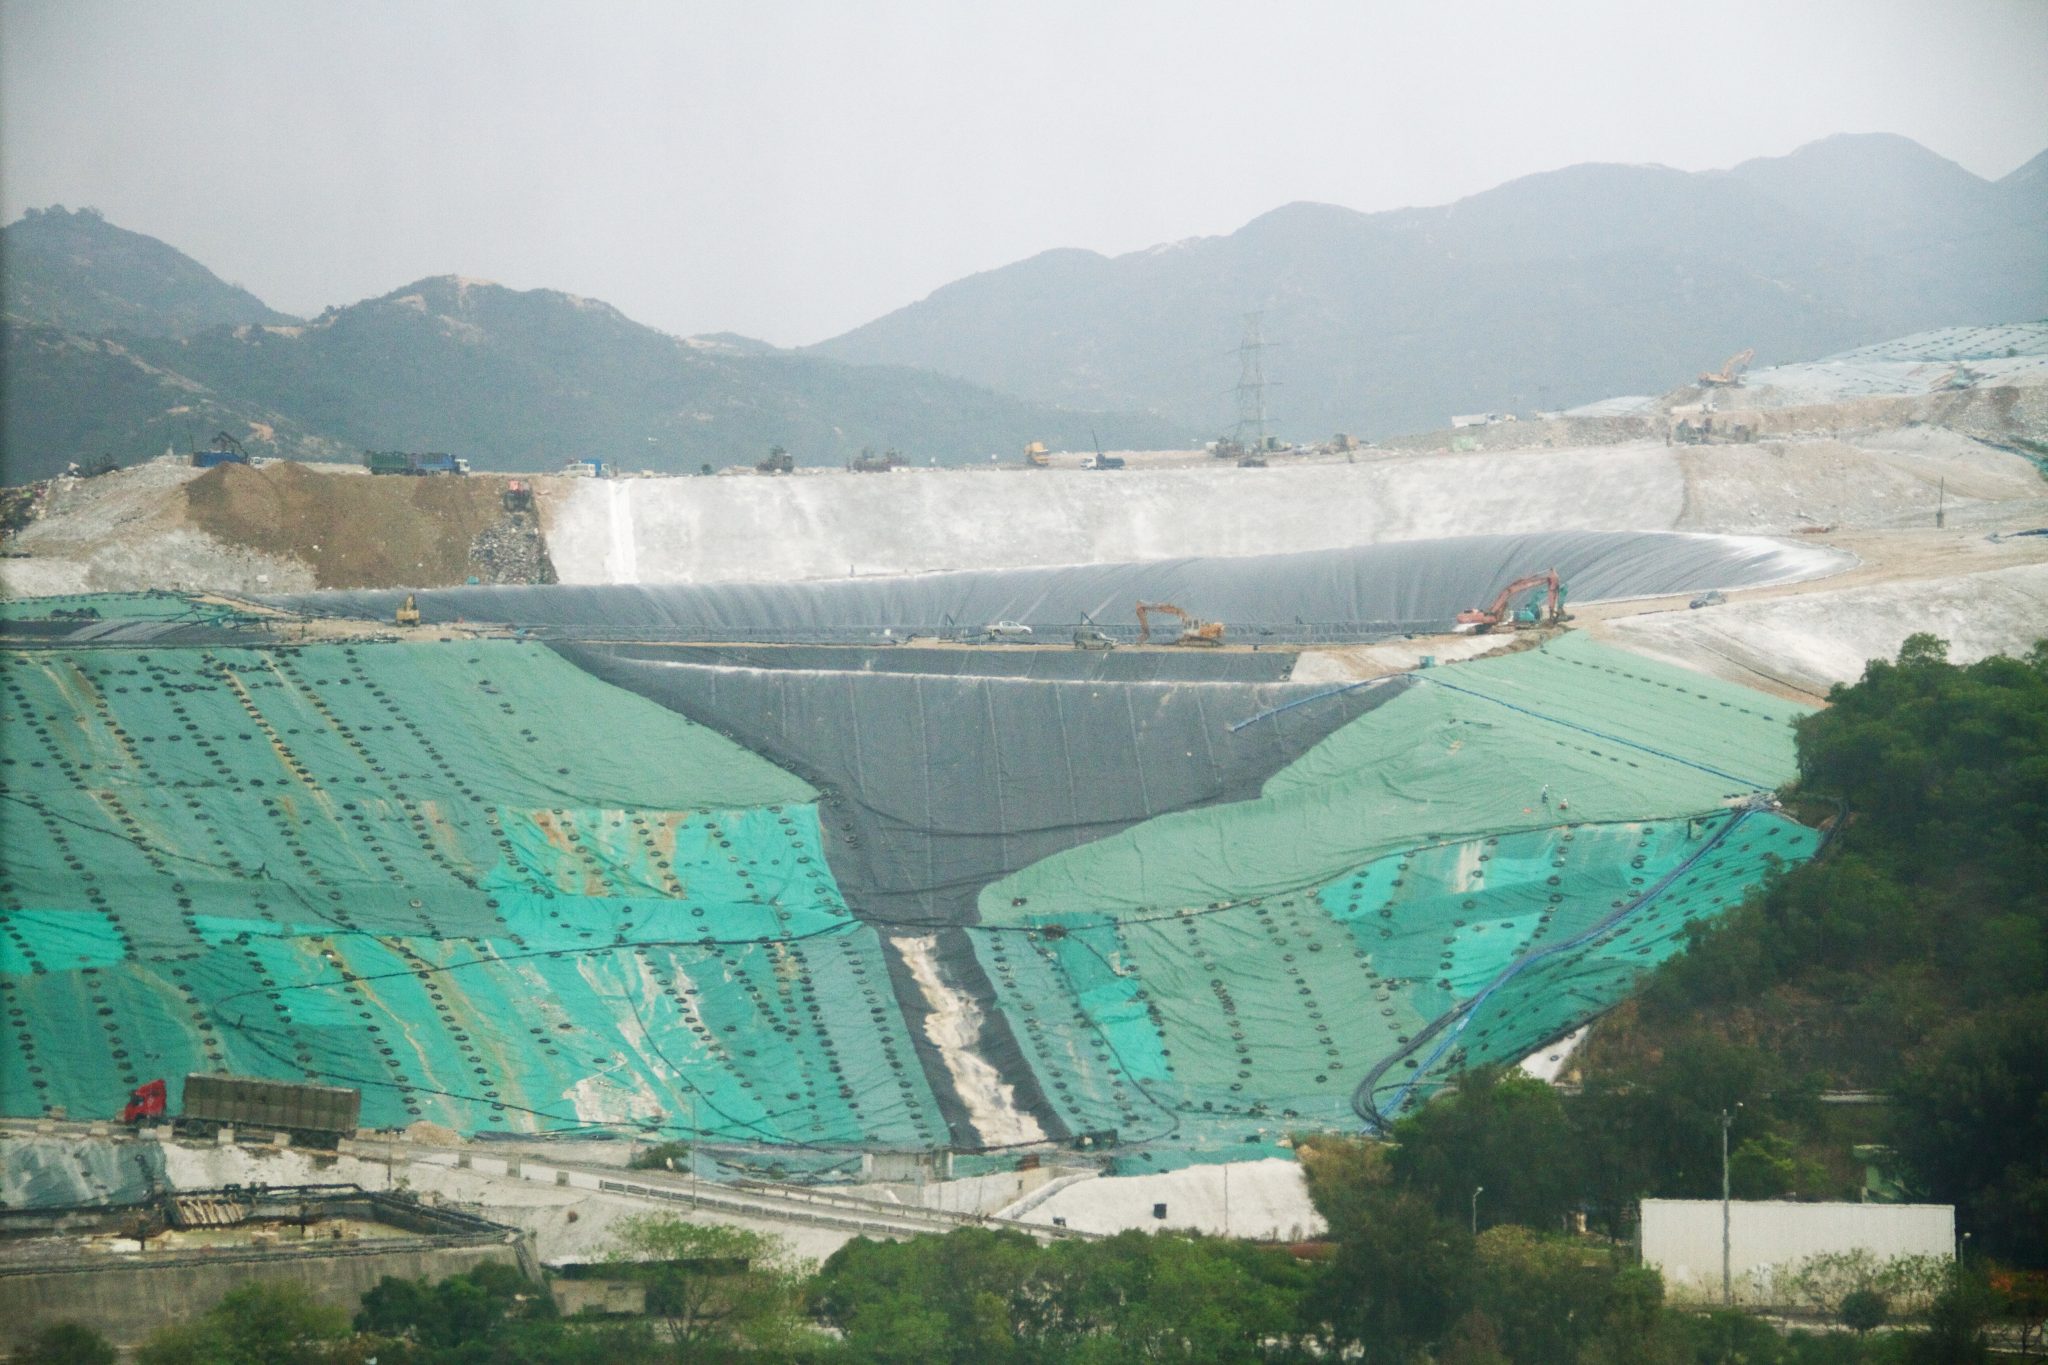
(67, 1343)
(263, 1322)
(1400, 1279)
(951, 1298)
(1971, 1127)
(470, 1307)
(1864, 1310)
(711, 1284)
(1956, 1324)
(1507, 1132)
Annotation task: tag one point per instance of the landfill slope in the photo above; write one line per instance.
(352, 530)
(1821, 471)
(1809, 642)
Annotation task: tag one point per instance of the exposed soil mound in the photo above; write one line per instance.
(355, 530)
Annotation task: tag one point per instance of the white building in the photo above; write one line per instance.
(1682, 1240)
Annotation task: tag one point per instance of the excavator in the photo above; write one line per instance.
(408, 613)
(1193, 631)
(1484, 619)
(1730, 374)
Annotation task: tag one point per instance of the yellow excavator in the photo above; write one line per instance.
(1193, 631)
(409, 611)
(1730, 374)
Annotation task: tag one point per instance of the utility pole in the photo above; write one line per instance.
(1727, 1268)
(1476, 1192)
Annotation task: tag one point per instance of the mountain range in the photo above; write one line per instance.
(1548, 291)
(124, 347)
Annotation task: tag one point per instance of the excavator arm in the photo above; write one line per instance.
(1495, 614)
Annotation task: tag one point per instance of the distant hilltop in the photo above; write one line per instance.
(1549, 292)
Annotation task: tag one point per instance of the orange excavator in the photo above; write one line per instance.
(1484, 619)
(1730, 374)
(1193, 631)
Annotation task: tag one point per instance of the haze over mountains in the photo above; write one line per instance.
(518, 380)
(1548, 291)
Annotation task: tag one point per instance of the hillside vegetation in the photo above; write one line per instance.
(78, 272)
(115, 345)
(1911, 959)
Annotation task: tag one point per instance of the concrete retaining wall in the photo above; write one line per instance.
(1682, 1239)
(128, 1298)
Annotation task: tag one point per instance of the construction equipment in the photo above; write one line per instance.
(1099, 460)
(1484, 619)
(409, 611)
(414, 463)
(1729, 376)
(146, 1102)
(223, 449)
(315, 1114)
(1088, 635)
(518, 496)
(867, 462)
(1193, 630)
(779, 461)
(1035, 455)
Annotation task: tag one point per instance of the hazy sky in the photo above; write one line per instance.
(790, 170)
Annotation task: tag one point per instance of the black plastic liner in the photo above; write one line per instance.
(933, 786)
(991, 661)
(1361, 593)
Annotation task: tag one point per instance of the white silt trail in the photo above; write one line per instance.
(622, 564)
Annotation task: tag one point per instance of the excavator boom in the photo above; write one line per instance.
(1491, 616)
(1192, 632)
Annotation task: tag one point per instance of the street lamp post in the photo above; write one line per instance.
(1727, 1259)
(1477, 1190)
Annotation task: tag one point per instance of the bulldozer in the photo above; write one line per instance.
(779, 461)
(1481, 620)
(1193, 630)
(1729, 376)
(408, 611)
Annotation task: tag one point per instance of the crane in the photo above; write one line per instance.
(1490, 618)
(1193, 631)
(1730, 374)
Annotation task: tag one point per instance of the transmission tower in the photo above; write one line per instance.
(1251, 386)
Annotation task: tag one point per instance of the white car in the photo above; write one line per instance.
(1009, 630)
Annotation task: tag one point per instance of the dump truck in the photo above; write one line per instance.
(413, 463)
(317, 1115)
